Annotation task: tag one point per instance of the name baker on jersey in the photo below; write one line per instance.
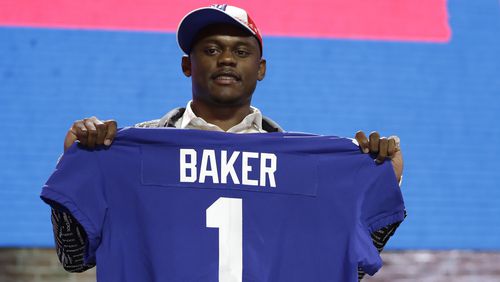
(218, 166)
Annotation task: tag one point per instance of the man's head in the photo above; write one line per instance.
(198, 19)
(223, 56)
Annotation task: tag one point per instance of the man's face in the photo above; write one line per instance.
(224, 65)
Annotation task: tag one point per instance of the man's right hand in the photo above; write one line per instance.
(91, 132)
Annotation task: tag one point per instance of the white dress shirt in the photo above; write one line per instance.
(252, 123)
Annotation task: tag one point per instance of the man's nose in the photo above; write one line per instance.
(227, 58)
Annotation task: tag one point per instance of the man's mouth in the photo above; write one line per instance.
(226, 77)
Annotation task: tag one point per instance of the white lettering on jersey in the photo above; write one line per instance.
(269, 170)
(188, 166)
(208, 158)
(227, 167)
(215, 167)
(246, 168)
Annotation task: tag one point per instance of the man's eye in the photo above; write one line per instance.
(211, 51)
(242, 53)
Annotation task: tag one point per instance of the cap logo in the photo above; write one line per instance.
(220, 6)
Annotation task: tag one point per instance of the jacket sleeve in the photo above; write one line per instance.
(70, 240)
(380, 239)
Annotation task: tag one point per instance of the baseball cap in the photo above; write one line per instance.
(196, 20)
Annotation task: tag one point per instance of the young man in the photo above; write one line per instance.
(224, 59)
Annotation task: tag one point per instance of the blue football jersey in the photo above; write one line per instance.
(187, 205)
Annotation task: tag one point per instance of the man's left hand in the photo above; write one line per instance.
(383, 148)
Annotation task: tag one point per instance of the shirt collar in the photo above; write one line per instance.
(251, 123)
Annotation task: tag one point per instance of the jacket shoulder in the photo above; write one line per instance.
(148, 124)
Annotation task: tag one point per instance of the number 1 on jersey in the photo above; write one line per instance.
(226, 214)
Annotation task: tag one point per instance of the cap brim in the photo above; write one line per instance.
(195, 21)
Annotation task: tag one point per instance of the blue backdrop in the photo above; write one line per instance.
(442, 99)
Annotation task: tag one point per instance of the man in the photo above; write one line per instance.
(224, 60)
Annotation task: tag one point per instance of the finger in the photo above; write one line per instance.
(397, 141)
(391, 147)
(101, 131)
(374, 142)
(382, 153)
(362, 141)
(111, 132)
(80, 131)
(92, 132)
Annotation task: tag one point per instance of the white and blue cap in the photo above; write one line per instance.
(197, 19)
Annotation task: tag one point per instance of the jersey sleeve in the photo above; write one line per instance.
(77, 187)
(380, 205)
(381, 202)
(368, 258)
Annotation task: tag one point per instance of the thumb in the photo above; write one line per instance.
(70, 139)
(397, 164)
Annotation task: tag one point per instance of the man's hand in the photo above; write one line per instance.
(91, 132)
(383, 148)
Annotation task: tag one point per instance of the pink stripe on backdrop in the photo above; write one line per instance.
(407, 20)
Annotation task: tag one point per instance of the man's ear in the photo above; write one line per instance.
(186, 65)
(262, 70)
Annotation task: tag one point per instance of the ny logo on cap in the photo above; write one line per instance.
(220, 6)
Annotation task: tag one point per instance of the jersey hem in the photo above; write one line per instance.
(56, 201)
(395, 217)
